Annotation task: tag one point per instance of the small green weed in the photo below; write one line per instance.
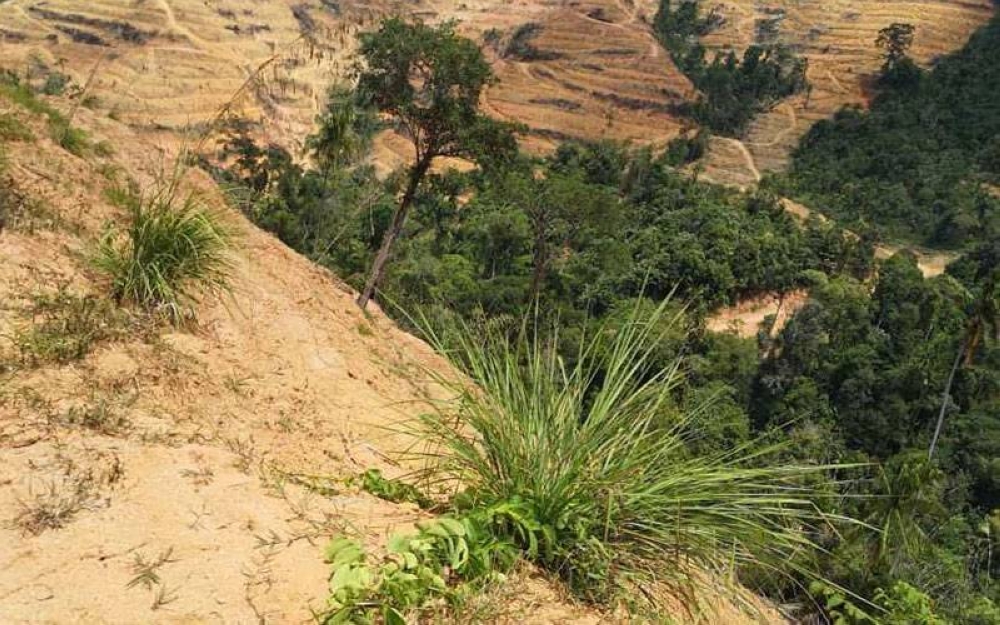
(21, 94)
(396, 491)
(55, 84)
(74, 140)
(104, 149)
(77, 488)
(448, 559)
(13, 129)
(102, 416)
(66, 326)
(146, 574)
(146, 571)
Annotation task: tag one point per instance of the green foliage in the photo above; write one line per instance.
(70, 138)
(55, 84)
(905, 604)
(345, 131)
(64, 327)
(20, 93)
(913, 164)
(733, 89)
(519, 47)
(898, 70)
(172, 251)
(687, 149)
(396, 491)
(840, 608)
(445, 559)
(13, 129)
(598, 453)
(429, 81)
(74, 140)
(335, 218)
(869, 367)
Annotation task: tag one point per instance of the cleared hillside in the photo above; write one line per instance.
(187, 445)
(174, 64)
(838, 39)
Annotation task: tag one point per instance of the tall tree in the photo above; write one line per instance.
(896, 39)
(345, 131)
(983, 323)
(427, 81)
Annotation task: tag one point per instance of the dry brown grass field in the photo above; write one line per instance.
(166, 67)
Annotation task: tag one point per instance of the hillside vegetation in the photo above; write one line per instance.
(599, 73)
(919, 164)
(158, 469)
(837, 42)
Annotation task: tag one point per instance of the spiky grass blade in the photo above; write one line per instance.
(172, 252)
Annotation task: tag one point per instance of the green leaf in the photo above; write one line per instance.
(391, 616)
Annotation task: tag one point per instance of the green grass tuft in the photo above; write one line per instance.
(172, 252)
(74, 140)
(595, 459)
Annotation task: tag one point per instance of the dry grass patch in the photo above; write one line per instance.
(77, 487)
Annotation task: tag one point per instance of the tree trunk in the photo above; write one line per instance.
(540, 260)
(395, 228)
(944, 398)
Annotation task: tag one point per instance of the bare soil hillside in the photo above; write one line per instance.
(174, 64)
(183, 475)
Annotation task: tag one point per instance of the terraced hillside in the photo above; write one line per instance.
(593, 70)
(169, 64)
(174, 64)
(159, 474)
(837, 38)
(583, 69)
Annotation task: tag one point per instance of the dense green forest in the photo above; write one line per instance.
(733, 88)
(878, 362)
(922, 163)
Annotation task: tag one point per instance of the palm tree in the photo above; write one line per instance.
(984, 317)
(344, 134)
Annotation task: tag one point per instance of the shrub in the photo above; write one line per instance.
(55, 84)
(596, 457)
(521, 48)
(172, 252)
(74, 140)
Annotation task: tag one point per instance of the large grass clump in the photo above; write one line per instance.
(594, 460)
(173, 251)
